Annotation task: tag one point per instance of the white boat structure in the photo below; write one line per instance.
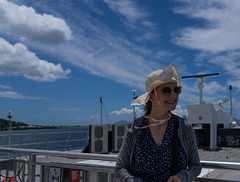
(210, 114)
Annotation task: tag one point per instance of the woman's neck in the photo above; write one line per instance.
(158, 117)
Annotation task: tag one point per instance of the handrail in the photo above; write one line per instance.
(44, 133)
(221, 165)
(109, 157)
(60, 153)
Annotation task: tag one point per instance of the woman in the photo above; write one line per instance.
(159, 146)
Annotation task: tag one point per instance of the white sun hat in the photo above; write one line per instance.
(168, 75)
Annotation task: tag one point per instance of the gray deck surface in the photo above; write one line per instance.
(223, 155)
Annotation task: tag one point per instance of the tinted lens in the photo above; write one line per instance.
(167, 90)
(177, 90)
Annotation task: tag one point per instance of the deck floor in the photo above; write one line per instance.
(223, 155)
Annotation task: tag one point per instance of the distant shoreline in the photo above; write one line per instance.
(42, 127)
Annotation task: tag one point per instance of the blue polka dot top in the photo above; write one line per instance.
(153, 162)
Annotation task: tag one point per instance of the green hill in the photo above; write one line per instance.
(4, 124)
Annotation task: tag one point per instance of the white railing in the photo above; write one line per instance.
(63, 140)
(34, 165)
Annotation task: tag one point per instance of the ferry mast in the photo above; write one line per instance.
(203, 113)
(200, 82)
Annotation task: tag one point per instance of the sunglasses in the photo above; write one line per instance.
(167, 90)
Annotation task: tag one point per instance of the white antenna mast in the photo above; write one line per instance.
(134, 97)
(230, 88)
(200, 82)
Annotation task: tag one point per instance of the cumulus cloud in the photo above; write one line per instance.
(180, 111)
(216, 37)
(221, 30)
(212, 88)
(18, 60)
(94, 117)
(125, 111)
(25, 22)
(230, 63)
(235, 83)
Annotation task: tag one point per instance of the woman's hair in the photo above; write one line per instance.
(147, 108)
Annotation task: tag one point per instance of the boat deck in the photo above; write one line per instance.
(224, 155)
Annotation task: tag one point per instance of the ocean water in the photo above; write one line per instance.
(46, 139)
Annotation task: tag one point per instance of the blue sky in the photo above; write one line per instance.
(58, 57)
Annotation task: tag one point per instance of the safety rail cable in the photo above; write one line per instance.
(60, 132)
(47, 141)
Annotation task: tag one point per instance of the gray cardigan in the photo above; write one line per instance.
(187, 138)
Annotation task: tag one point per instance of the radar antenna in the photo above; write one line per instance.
(200, 81)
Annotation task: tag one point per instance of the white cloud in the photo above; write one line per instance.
(94, 117)
(234, 83)
(180, 112)
(15, 95)
(125, 111)
(106, 51)
(65, 109)
(18, 60)
(25, 22)
(228, 61)
(108, 55)
(212, 88)
(212, 92)
(221, 31)
(216, 36)
(135, 17)
(5, 87)
(127, 9)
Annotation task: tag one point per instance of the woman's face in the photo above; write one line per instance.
(167, 94)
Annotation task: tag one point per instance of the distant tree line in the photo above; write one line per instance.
(5, 124)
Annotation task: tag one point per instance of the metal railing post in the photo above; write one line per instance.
(47, 141)
(68, 142)
(7, 174)
(23, 172)
(31, 167)
(15, 170)
(20, 141)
